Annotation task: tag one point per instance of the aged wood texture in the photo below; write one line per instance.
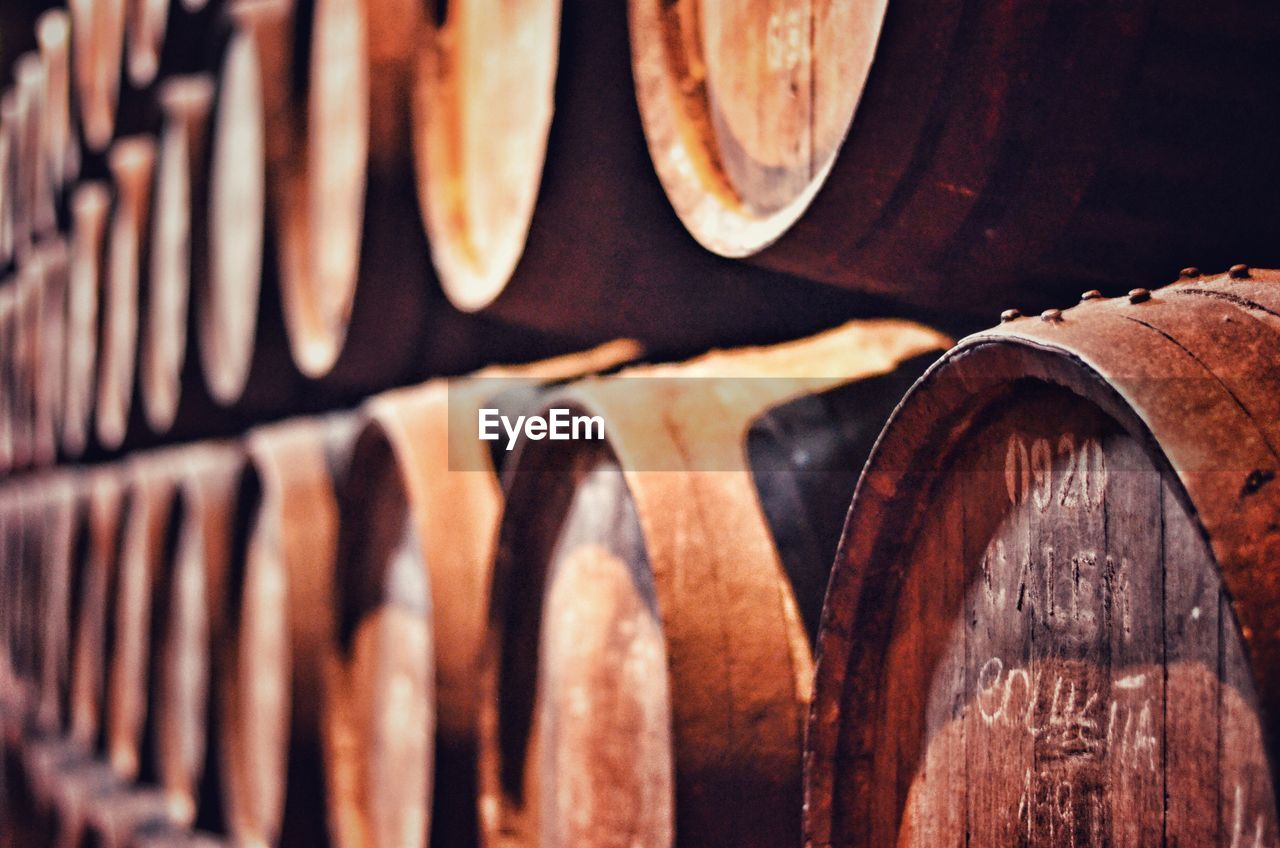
(1022, 146)
(1051, 617)
(419, 517)
(647, 669)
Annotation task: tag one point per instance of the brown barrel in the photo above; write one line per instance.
(35, 216)
(1053, 615)
(190, 629)
(647, 665)
(64, 518)
(172, 385)
(279, 622)
(145, 23)
(8, 158)
(90, 208)
(950, 152)
(132, 162)
(8, 304)
(19, 687)
(146, 542)
(61, 150)
(22, 564)
(97, 60)
(25, 353)
(52, 265)
(417, 523)
(540, 204)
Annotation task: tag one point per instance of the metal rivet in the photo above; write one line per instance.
(1051, 315)
(1238, 272)
(1091, 294)
(1189, 273)
(1139, 295)
(1009, 315)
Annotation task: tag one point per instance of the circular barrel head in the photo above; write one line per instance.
(483, 104)
(746, 105)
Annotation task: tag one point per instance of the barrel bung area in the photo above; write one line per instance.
(297, 298)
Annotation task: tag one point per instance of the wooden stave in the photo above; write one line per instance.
(1095, 352)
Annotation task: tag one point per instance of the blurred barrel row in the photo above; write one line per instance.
(1051, 618)
(219, 212)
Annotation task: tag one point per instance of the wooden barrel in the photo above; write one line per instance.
(25, 356)
(235, 298)
(9, 518)
(279, 622)
(20, 679)
(174, 397)
(988, 147)
(417, 519)
(147, 542)
(145, 24)
(52, 264)
(23, 546)
(1052, 617)
(132, 162)
(90, 207)
(41, 279)
(97, 59)
(647, 665)
(61, 149)
(35, 215)
(540, 204)
(190, 628)
(8, 156)
(65, 517)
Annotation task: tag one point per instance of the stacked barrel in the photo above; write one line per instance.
(292, 293)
